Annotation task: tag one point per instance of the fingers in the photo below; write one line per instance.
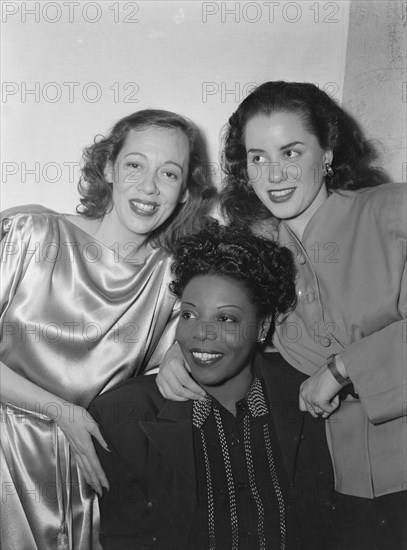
(91, 475)
(316, 410)
(166, 387)
(92, 470)
(321, 410)
(88, 474)
(179, 386)
(98, 473)
(174, 381)
(97, 435)
(319, 394)
(306, 407)
(189, 387)
(334, 403)
(92, 457)
(80, 440)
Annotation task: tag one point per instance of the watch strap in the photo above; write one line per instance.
(333, 369)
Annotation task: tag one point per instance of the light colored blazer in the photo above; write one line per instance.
(352, 300)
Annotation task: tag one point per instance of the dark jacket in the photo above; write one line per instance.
(151, 466)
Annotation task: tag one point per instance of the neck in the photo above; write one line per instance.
(300, 222)
(112, 234)
(233, 390)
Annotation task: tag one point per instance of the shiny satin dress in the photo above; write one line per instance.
(76, 319)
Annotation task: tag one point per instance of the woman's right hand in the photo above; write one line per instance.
(174, 380)
(79, 428)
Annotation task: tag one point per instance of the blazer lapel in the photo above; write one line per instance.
(282, 387)
(171, 434)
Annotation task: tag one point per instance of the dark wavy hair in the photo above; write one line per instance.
(323, 117)
(266, 269)
(96, 192)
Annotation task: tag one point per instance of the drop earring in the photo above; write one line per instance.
(329, 171)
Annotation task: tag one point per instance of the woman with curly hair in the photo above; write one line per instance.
(85, 305)
(217, 474)
(298, 166)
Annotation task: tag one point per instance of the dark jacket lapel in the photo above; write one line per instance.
(282, 383)
(171, 435)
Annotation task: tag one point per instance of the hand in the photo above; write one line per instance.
(174, 381)
(79, 427)
(319, 394)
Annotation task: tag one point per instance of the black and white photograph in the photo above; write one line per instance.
(203, 279)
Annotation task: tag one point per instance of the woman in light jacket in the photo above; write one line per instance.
(297, 166)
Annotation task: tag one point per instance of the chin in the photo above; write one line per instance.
(206, 380)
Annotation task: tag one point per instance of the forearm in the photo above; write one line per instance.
(17, 390)
(376, 365)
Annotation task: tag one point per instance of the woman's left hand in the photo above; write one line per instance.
(79, 427)
(319, 394)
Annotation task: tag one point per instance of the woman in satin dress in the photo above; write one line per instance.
(84, 305)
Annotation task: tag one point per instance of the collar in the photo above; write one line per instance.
(256, 404)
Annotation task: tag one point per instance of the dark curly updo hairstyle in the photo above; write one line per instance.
(323, 117)
(266, 269)
(96, 192)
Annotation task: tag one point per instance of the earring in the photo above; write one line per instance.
(329, 171)
(262, 339)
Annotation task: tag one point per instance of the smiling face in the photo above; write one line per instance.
(285, 164)
(217, 332)
(148, 177)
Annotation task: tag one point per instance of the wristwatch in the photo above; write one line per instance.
(333, 369)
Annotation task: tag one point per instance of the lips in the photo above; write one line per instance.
(143, 208)
(281, 195)
(205, 357)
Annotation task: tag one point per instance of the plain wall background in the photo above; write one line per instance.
(375, 78)
(90, 63)
(197, 58)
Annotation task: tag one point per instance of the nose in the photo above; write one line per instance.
(205, 330)
(147, 184)
(276, 173)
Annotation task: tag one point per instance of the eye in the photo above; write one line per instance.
(225, 318)
(257, 159)
(135, 166)
(291, 154)
(170, 175)
(188, 315)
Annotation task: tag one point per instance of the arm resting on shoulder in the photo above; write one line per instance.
(174, 381)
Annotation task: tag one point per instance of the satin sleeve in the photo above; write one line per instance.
(15, 228)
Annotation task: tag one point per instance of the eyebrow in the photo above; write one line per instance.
(291, 144)
(230, 305)
(219, 307)
(281, 148)
(143, 155)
